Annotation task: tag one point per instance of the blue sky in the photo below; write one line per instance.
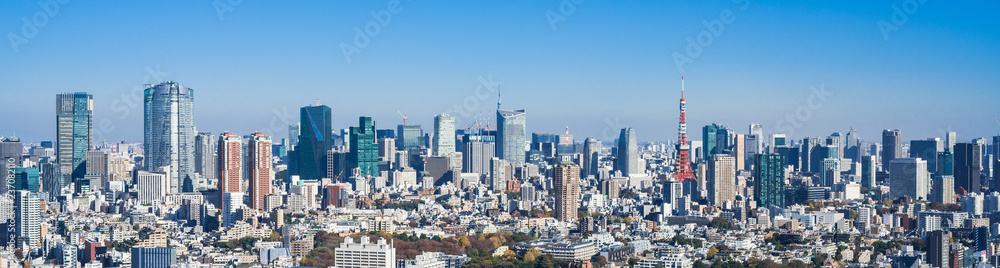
(605, 65)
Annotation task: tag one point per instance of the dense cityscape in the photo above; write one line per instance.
(499, 134)
(489, 195)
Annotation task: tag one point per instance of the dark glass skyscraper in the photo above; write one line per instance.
(169, 133)
(315, 138)
(892, 146)
(364, 149)
(967, 166)
(769, 180)
(927, 150)
(709, 135)
(74, 132)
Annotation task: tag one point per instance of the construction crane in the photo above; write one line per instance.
(403, 115)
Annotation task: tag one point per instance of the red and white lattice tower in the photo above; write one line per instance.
(683, 171)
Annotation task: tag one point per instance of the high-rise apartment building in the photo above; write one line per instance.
(27, 217)
(204, 155)
(721, 179)
(259, 169)
(230, 163)
(566, 186)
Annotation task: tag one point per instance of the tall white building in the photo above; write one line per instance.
(151, 187)
(231, 202)
(28, 217)
(444, 135)
(365, 254)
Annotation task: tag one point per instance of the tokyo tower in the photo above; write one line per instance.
(683, 171)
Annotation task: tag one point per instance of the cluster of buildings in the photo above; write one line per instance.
(184, 198)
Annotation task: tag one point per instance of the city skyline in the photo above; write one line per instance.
(856, 62)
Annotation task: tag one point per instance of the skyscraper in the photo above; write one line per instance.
(710, 139)
(566, 184)
(908, 177)
(204, 155)
(11, 147)
(293, 136)
(967, 167)
(74, 132)
(27, 179)
(943, 189)
(259, 169)
(892, 146)
(852, 145)
(364, 149)
(628, 153)
(444, 135)
(739, 150)
(778, 140)
(769, 180)
(928, 150)
(169, 132)
(591, 157)
(721, 179)
(511, 132)
(868, 171)
(950, 140)
(477, 152)
(409, 137)
(230, 164)
(315, 139)
(808, 153)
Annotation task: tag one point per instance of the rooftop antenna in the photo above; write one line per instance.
(567, 134)
(317, 101)
(682, 84)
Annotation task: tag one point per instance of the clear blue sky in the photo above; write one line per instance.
(608, 65)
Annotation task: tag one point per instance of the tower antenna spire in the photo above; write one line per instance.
(682, 84)
(499, 100)
(683, 160)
